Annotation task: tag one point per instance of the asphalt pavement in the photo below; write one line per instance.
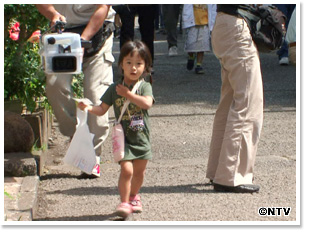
(175, 190)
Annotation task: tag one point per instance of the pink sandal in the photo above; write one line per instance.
(124, 209)
(136, 203)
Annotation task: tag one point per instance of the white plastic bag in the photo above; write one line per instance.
(81, 153)
(118, 142)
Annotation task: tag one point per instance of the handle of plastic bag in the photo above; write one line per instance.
(81, 117)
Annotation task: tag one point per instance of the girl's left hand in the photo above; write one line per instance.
(122, 90)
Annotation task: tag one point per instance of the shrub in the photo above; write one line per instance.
(23, 77)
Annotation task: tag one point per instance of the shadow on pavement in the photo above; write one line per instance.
(187, 188)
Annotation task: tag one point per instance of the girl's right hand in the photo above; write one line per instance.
(82, 106)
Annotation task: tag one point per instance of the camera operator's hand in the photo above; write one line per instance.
(50, 13)
(57, 17)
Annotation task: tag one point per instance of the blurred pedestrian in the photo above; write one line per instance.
(97, 69)
(146, 19)
(171, 14)
(197, 34)
(159, 21)
(239, 117)
(135, 61)
(282, 53)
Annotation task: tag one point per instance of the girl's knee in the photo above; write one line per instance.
(126, 170)
(126, 173)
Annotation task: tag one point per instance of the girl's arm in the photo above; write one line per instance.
(96, 110)
(144, 102)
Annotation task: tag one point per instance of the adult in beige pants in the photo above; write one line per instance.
(239, 117)
(97, 70)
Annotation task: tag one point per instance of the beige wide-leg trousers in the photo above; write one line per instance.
(239, 117)
(98, 75)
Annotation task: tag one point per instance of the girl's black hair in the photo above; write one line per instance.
(130, 47)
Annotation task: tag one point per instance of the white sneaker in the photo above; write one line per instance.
(284, 61)
(96, 170)
(173, 51)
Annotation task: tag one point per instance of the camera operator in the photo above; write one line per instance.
(97, 68)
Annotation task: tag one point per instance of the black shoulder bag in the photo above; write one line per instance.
(98, 40)
(267, 26)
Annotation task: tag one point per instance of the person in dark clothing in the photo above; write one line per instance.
(146, 14)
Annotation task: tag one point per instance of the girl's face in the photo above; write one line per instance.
(133, 67)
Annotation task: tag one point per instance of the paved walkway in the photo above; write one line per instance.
(175, 189)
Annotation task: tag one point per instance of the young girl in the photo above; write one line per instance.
(135, 62)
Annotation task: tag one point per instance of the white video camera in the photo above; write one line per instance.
(61, 52)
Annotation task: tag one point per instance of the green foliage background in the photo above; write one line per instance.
(24, 78)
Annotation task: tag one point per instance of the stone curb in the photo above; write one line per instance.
(20, 164)
(21, 203)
